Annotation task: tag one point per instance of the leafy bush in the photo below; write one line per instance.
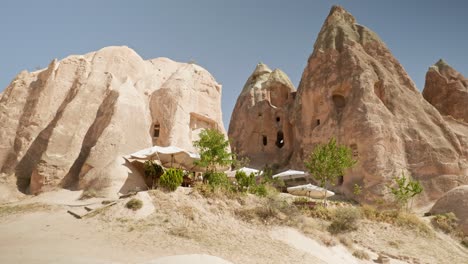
(328, 161)
(448, 223)
(217, 179)
(152, 169)
(244, 182)
(344, 219)
(259, 190)
(171, 179)
(213, 148)
(405, 189)
(134, 204)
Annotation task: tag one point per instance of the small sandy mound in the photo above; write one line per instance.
(335, 254)
(193, 259)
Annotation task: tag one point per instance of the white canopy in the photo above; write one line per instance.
(170, 156)
(290, 174)
(310, 191)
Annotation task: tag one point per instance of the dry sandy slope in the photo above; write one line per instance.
(185, 223)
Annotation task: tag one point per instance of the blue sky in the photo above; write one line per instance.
(228, 38)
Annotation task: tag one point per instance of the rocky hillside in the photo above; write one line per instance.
(447, 90)
(355, 90)
(67, 125)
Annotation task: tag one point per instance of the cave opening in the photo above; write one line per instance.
(280, 139)
(265, 140)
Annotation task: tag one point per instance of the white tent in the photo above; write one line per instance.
(290, 174)
(170, 156)
(310, 191)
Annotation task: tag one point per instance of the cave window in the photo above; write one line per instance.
(265, 140)
(156, 130)
(339, 101)
(340, 180)
(259, 114)
(278, 119)
(354, 150)
(318, 122)
(280, 139)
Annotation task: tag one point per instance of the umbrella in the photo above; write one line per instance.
(310, 190)
(170, 156)
(290, 174)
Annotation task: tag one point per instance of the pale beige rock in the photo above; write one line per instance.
(82, 113)
(447, 90)
(353, 89)
(455, 201)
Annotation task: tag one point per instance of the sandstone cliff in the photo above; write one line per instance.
(447, 90)
(67, 125)
(260, 129)
(353, 89)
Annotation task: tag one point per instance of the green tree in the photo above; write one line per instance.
(213, 149)
(405, 189)
(327, 162)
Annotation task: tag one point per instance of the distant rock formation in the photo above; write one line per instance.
(260, 129)
(69, 124)
(455, 201)
(447, 90)
(353, 89)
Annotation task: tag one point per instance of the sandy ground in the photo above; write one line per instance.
(183, 227)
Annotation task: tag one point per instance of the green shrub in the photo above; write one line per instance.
(171, 179)
(405, 190)
(259, 190)
(244, 181)
(152, 169)
(448, 223)
(344, 219)
(217, 179)
(134, 204)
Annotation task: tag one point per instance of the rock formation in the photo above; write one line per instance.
(69, 124)
(260, 129)
(353, 89)
(447, 90)
(455, 201)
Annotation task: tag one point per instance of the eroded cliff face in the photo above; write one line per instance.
(447, 90)
(353, 89)
(65, 125)
(260, 127)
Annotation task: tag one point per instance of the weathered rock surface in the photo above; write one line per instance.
(65, 125)
(260, 127)
(455, 201)
(353, 89)
(447, 90)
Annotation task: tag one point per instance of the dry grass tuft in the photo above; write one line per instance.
(344, 220)
(22, 208)
(134, 204)
(346, 241)
(398, 218)
(88, 194)
(448, 223)
(361, 254)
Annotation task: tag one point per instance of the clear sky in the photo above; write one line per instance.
(228, 38)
